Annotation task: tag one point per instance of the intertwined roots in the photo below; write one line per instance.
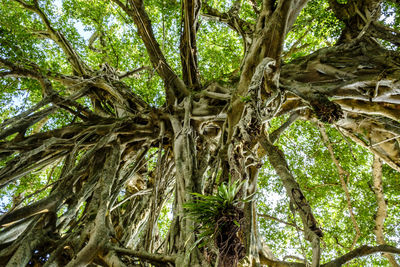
(326, 111)
(229, 238)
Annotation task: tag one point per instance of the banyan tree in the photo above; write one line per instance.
(153, 133)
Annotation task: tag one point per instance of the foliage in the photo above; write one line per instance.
(220, 219)
(309, 159)
(101, 33)
(207, 210)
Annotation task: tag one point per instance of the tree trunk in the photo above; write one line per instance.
(119, 160)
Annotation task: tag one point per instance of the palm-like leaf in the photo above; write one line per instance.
(206, 210)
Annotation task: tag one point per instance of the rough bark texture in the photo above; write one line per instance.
(201, 132)
(381, 212)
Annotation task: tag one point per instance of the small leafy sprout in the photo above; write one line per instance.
(245, 99)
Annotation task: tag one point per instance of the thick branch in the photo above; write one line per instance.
(101, 200)
(22, 124)
(190, 10)
(382, 32)
(294, 13)
(267, 41)
(381, 212)
(379, 135)
(375, 108)
(276, 134)
(356, 15)
(356, 253)
(41, 206)
(360, 252)
(311, 230)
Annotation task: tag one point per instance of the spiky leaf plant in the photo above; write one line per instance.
(220, 219)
